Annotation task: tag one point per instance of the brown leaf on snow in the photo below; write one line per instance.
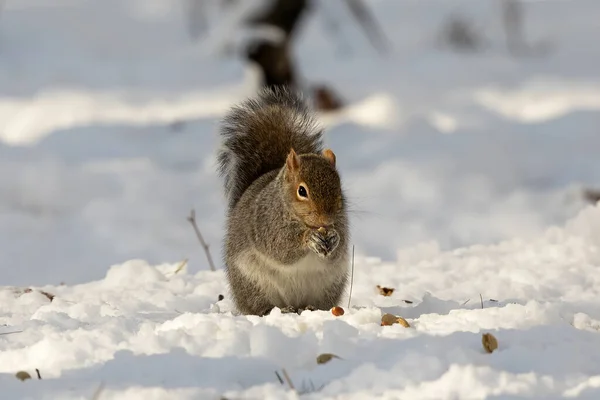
(325, 358)
(390, 319)
(403, 322)
(385, 291)
(489, 342)
(23, 375)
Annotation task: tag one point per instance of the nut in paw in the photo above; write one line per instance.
(333, 239)
(323, 241)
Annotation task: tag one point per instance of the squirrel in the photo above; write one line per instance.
(287, 230)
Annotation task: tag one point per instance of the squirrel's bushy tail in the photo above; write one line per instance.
(258, 135)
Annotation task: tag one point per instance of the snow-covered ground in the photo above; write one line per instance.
(464, 172)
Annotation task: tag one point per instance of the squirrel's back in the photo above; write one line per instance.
(258, 135)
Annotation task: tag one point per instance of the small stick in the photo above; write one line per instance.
(287, 379)
(279, 377)
(38, 373)
(351, 278)
(9, 333)
(481, 298)
(180, 266)
(192, 219)
(98, 392)
(375, 34)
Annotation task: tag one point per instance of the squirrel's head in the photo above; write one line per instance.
(314, 188)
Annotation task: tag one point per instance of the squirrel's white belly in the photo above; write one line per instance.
(299, 284)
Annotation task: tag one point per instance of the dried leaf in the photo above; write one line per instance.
(385, 291)
(490, 343)
(325, 358)
(23, 375)
(390, 319)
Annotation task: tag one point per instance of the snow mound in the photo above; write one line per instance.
(159, 332)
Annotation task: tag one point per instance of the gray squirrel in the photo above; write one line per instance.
(287, 232)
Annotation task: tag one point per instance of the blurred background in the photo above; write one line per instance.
(454, 122)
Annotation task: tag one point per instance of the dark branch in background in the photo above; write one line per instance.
(514, 26)
(196, 18)
(192, 219)
(273, 58)
(512, 13)
(368, 22)
(284, 14)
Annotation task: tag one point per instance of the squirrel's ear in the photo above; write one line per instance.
(330, 156)
(293, 161)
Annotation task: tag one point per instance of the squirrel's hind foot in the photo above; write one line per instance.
(289, 310)
(297, 310)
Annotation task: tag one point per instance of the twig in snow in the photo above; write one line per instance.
(98, 392)
(481, 298)
(192, 219)
(50, 296)
(287, 379)
(465, 303)
(279, 377)
(37, 371)
(180, 266)
(9, 333)
(351, 278)
(312, 389)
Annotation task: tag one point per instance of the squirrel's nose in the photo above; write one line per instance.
(325, 222)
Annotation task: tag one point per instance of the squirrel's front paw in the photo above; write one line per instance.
(323, 242)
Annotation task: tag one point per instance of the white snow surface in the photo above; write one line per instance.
(464, 173)
(150, 332)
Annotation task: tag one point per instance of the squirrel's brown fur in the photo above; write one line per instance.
(286, 243)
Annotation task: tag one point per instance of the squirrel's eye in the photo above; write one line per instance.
(302, 191)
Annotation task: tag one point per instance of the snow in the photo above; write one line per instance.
(464, 173)
(145, 330)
